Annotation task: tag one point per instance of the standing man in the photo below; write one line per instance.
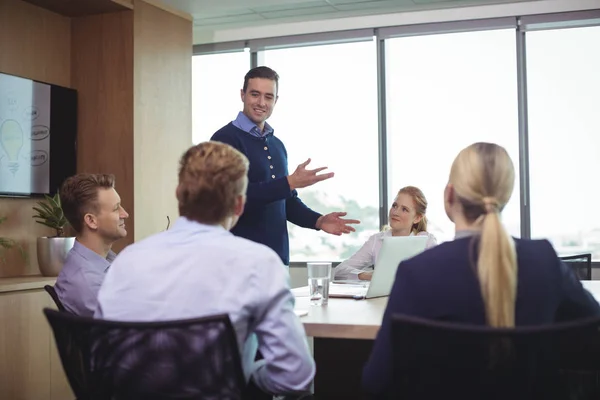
(272, 197)
(93, 208)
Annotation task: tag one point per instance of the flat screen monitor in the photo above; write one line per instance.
(38, 136)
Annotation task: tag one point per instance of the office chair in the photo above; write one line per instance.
(434, 360)
(581, 264)
(186, 359)
(52, 293)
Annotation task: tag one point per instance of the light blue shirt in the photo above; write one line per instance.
(245, 124)
(195, 270)
(79, 280)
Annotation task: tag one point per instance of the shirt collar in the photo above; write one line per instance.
(250, 127)
(182, 223)
(465, 233)
(95, 259)
(110, 257)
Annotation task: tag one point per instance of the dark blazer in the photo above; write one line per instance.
(441, 284)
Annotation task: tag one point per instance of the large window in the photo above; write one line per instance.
(444, 92)
(327, 111)
(216, 83)
(563, 76)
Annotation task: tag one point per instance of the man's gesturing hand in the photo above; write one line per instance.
(303, 177)
(332, 223)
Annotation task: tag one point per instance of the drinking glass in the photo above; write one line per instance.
(319, 274)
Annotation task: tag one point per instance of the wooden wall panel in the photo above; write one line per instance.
(79, 8)
(102, 73)
(27, 349)
(163, 121)
(36, 44)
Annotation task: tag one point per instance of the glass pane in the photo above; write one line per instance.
(327, 110)
(446, 92)
(216, 79)
(563, 81)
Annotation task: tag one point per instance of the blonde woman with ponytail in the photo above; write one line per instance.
(481, 182)
(484, 276)
(407, 217)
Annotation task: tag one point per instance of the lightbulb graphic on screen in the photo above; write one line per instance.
(11, 139)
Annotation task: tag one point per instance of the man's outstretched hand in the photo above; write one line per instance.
(334, 224)
(303, 177)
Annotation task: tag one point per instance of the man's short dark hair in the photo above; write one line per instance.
(261, 72)
(79, 196)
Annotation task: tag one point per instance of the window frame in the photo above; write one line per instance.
(520, 24)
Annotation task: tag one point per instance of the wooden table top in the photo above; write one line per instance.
(359, 319)
(593, 287)
(342, 318)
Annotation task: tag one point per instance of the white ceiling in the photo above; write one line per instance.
(213, 14)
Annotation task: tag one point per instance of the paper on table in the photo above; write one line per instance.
(354, 284)
(333, 288)
(300, 291)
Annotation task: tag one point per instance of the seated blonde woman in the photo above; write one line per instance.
(406, 218)
(484, 276)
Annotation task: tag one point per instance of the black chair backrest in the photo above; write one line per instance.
(435, 360)
(52, 293)
(188, 359)
(581, 265)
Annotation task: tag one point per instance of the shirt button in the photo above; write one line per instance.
(271, 166)
(266, 148)
(269, 157)
(273, 176)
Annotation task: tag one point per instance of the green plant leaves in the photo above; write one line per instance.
(7, 244)
(50, 213)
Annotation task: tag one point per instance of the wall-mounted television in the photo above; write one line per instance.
(38, 136)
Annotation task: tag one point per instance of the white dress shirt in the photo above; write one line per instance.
(195, 270)
(366, 257)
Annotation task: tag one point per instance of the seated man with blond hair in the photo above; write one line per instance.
(198, 268)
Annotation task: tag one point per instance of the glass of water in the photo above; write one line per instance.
(319, 274)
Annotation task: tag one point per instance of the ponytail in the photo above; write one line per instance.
(482, 178)
(497, 268)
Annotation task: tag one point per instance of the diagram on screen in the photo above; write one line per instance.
(24, 135)
(11, 139)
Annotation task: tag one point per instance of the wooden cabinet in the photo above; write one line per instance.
(30, 367)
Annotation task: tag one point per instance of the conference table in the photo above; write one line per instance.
(342, 335)
(343, 332)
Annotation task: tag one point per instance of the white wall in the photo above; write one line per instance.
(202, 36)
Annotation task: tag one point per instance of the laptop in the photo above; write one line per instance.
(393, 251)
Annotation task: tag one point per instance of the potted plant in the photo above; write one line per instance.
(7, 244)
(52, 250)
